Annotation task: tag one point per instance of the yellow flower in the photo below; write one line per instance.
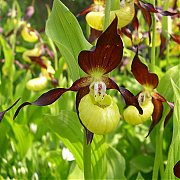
(29, 34)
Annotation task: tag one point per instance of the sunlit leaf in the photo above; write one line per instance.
(174, 151)
(115, 164)
(8, 56)
(63, 28)
(22, 139)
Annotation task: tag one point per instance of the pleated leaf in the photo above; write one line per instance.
(63, 28)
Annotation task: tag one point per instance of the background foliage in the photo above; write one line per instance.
(32, 146)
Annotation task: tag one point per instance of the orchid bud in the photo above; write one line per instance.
(29, 34)
(37, 84)
(100, 117)
(132, 116)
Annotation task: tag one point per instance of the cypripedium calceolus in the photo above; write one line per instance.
(37, 56)
(96, 110)
(149, 99)
(29, 34)
(125, 13)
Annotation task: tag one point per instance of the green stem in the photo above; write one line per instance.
(153, 49)
(87, 159)
(107, 14)
(158, 161)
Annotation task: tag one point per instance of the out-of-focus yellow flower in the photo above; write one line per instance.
(29, 34)
(32, 52)
(37, 84)
(125, 14)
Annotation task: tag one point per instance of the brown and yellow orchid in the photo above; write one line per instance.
(96, 110)
(149, 99)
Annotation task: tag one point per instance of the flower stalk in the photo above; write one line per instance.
(87, 158)
(158, 161)
(153, 49)
(107, 14)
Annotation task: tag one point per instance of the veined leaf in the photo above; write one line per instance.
(115, 164)
(68, 128)
(63, 28)
(8, 57)
(165, 87)
(22, 139)
(174, 151)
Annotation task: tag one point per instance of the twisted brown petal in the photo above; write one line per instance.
(142, 75)
(107, 54)
(54, 94)
(3, 112)
(160, 98)
(157, 113)
(176, 38)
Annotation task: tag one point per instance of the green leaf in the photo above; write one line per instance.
(68, 128)
(143, 163)
(8, 57)
(63, 28)
(165, 87)
(174, 151)
(139, 177)
(115, 164)
(22, 139)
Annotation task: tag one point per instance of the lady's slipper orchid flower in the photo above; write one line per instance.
(125, 14)
(103, 115)
(29, 34)
(149, 100)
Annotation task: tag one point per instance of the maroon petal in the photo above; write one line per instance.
(160, 98)
(177, 169)
(129, 98)
(135, 22)
(142, 75)
(176, 38)
(163, 44)
(3, 112)
(94, 34)
(168, 117)
(85, 11)
(38, 60)
(107, 54)
(157, 113)
(81, 93)
(54, 94)
(168, 13)
(126, 31)
(146, 14)
(149, 7)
